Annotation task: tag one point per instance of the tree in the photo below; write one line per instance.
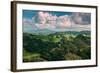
(57, 54)
(32, 57)
(72, 56)
(68, 46)
(85, 53)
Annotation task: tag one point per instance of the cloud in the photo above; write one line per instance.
(63, 21)
(45, 26)
(81, 18)
(46, 20)
(28, 25)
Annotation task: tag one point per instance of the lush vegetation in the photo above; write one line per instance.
(56, 46)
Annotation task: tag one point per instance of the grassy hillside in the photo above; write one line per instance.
(56, 46)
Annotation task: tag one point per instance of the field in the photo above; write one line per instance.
(56, 46)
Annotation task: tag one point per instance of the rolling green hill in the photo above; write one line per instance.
(55, 46)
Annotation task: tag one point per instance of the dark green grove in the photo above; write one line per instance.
(55, 47)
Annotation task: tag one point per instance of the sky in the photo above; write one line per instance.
(32, 13)
(55, 20)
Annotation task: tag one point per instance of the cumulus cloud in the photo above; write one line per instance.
(28, 25)
(46, 20)
(81, 18)
(63, 21)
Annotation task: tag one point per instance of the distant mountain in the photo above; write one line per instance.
(85, 32)
(42, 31)
(47, 31)
(74, 32)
